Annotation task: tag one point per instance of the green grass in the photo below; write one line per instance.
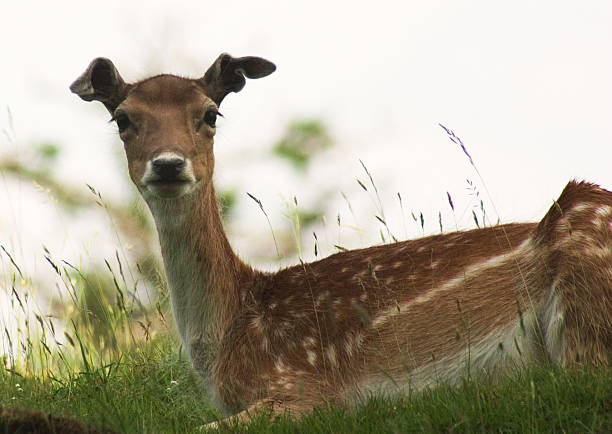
(154, 390)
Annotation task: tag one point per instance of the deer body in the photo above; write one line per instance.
(376, 320)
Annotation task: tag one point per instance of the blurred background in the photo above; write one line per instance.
(341, 147)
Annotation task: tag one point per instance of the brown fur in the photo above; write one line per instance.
(374, 320)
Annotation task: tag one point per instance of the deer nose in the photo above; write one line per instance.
(168, 168)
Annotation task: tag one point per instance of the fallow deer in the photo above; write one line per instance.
(377, 320)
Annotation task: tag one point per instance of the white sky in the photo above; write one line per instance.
(525, 84)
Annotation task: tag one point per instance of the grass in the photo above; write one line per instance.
(154, 389)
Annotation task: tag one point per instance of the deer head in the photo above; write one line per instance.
(167, 123)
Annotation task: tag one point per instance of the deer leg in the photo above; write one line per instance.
(578, 328)
(587, 316)
(277, 407)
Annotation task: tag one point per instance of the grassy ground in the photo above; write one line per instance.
(154, 390)
(150, 390)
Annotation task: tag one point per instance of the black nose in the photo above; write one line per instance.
(168, 168)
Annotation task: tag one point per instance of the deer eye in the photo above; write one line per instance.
(210, 118)
(123, 122)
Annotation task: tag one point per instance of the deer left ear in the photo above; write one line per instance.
(101, 82)
(227, 74)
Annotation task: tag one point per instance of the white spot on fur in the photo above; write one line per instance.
(358, 340)
(279, 365)
(353, 342)
(604, 211)
(308, 341)
(601, 252)
(257, 324)
(579, 208)
(322, 297)
(311, 357)
(348, 347)
(331, 355)
(397, 265)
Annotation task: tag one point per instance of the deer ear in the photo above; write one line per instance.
(227, 74)
(101, 82)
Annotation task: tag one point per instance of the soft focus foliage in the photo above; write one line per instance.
(301, 141)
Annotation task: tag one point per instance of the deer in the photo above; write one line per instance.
(381, 320)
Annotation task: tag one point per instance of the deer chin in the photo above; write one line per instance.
(168, 189)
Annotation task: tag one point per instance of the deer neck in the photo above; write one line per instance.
(203, 272)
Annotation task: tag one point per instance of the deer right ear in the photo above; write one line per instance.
(101, 82)
(228, 74)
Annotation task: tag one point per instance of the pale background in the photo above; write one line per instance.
(526, 85)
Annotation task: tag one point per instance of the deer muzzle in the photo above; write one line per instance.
(168, 175)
